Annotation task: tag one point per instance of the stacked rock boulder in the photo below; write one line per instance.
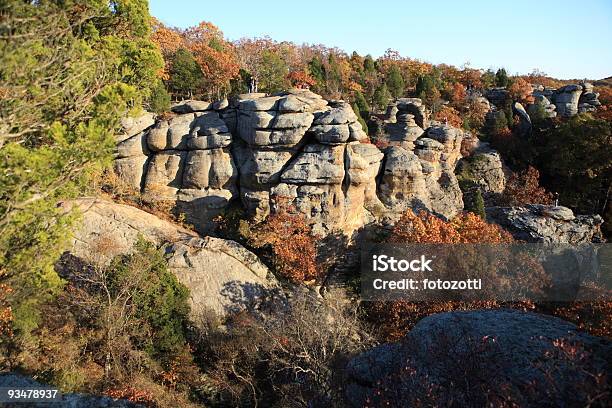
(298, 150)
(568, 100)
(419, 166)
(184, 159)
(132, 150)
(294, 149)
(589, 100)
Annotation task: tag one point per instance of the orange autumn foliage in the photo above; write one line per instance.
(467, 227)
(133, 395)
(524, 188)
(292, 243)
(520, 90)
(395, 318)
(6, 312)
(449, 115)
(301, 79)
(457, 93)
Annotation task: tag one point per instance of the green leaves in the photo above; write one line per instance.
(69, 71)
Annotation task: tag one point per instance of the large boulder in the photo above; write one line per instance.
(542, 104)
(547, 224)
(222, 276)
(566, 100)
(183, 159)
(524, 121)
(485, 168)
(468, 359)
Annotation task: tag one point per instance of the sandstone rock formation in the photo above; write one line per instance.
(543, 103)
(507, 347)
(524, 125)
(566, 99)
(589, 100)
(299, 150)
(484, 167)
(418, 171)
(497, 96)
(221, 275)
(546, 224)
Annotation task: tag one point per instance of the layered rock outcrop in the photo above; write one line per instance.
(418, 171)
(567, 100)
(547, 224)
(293, 147)
(221, 275)
(297, 149)
(487, 348)
(485, 168)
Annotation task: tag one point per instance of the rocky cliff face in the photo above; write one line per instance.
(294, 148)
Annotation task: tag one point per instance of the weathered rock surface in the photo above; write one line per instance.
(547, 224)
(67, 400)
(307, 152)
(541, 102)
(485, 168)
(507, 347)
(566, 100)
(497, 96)
(221, 275)
(419, 169)
(524, 125)
(184, 159)
(589, 100)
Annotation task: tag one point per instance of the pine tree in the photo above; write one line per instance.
(362, 105)
(501, 78)
(395, 82)
(67, 79)
(381, 97)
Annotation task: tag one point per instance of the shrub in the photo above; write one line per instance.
(520, 90)
(286, 355)
(465, 228)
(159, 101)
(292, 244)
(524, 188)
(449, 115)
(394, 318)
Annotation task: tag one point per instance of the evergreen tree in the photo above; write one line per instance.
(362, 105)
(381, 97)
(67, 79)
(478, 205)
(360, 118)
(501, 78)
(186, 76)
(159, 101)
(317, 71)
(273, 72)
(368, 64)
(395, 82)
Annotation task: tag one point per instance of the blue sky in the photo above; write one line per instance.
(566, 39)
